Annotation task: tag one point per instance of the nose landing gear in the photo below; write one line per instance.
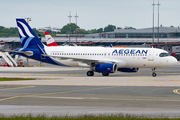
(154, 72)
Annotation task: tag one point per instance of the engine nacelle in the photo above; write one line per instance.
(105, 68)
(128, 69)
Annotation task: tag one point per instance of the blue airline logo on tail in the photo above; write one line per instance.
(25, 34)
(129, 51)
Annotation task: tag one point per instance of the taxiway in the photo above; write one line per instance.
(62, 90)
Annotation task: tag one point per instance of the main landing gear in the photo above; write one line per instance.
(90, 73)
(154, 72)
(105, 74)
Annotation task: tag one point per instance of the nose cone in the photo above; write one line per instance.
(173, 61)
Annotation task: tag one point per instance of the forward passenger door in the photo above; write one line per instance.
(151, 55)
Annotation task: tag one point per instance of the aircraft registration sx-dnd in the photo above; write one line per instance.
(104, 60)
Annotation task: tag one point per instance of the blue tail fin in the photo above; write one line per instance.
(28, 37)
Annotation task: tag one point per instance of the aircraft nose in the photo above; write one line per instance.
(173, 61)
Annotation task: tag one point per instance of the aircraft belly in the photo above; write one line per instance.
(137, 63)
(68, 62)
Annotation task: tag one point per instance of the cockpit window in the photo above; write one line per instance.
(164, 54)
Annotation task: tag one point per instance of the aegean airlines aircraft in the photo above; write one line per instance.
(97, 59)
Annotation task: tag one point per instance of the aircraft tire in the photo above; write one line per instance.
(105, 74)
(90, 73)
(154, 74)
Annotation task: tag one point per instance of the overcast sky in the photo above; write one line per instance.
(93, 14)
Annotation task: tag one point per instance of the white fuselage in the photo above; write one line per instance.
(78, 56)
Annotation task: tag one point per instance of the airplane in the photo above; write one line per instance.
(50, 41)
(103, 60)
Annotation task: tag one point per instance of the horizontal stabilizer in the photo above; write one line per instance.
(28, 53)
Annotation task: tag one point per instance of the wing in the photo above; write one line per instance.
(88, 61)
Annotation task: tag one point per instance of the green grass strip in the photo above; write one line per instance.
(15, 79)
(86, 117)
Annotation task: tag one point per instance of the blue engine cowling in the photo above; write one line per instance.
(105, 68)
(128, 69)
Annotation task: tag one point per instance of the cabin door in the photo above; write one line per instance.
(151, 55)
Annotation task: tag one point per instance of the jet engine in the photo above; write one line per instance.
(105, 68)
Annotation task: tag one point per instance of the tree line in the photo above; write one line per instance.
(13, 31)
(73, 28)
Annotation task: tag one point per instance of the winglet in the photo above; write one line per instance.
(110, 45)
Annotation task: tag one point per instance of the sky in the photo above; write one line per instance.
(93, 14)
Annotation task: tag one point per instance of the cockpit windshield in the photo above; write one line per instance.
(164, 54)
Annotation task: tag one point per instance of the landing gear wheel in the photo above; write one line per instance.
(154, 74)
(90, 73)
(105, 74)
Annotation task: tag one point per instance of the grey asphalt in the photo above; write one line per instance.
(73, 100)
(68, 91)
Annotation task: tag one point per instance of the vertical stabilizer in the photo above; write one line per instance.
(50, 41)
(28, 37)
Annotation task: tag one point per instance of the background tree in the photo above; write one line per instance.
(1, 27)
(129, 28)
(119, 28)
(6, 32)
(37, 32)
(65, 29)
(79, 31)
(13, 31)
(109, 28)
(93, 31)
(100, 30)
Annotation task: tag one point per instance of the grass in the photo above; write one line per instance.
(15, 79)
(85, 117)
